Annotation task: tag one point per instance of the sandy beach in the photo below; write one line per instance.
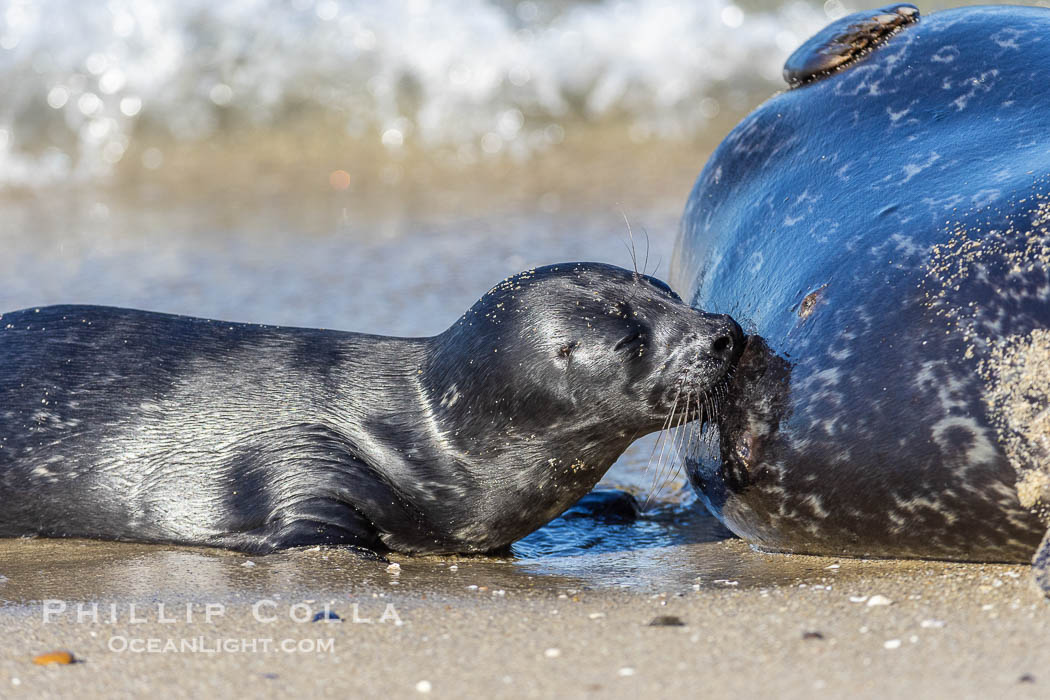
(767, 625)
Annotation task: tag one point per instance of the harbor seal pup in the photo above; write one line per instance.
(138, 426)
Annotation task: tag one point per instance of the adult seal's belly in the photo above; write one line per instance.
(131, 425)
(883, 227)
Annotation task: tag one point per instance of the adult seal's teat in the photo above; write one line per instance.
(885, 229)
(131, 425)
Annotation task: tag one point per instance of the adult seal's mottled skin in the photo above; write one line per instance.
(884, 227)
(131, 425)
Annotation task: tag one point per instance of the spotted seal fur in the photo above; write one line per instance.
(883, 229)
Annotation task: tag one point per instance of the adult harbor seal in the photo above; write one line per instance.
(131, 425)
(884, 226)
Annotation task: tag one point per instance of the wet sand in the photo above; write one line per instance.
(769, 625)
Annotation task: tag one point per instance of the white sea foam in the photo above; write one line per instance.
(81, 80)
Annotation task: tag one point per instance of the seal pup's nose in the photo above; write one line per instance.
(728, 341)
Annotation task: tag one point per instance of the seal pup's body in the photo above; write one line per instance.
(139, 426)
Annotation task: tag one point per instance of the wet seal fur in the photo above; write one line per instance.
(885, 230)
(845, 42)
(138, 426)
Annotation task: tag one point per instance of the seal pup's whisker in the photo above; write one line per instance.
(645, 262)
(657, 268)
(668, 436)
(662, 441)
(695, 429)
(631, 249)
(661, 435)
(676, 445)
(692, 430)
(659, 482)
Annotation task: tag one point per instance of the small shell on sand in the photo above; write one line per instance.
(63, 658)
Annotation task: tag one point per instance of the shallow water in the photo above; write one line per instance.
(695, 556)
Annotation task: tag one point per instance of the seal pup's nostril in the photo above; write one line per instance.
(729, 339)
(722, 345)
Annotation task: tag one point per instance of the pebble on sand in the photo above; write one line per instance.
(879, 600)
(892, 644)
(666, 621)
(552, 653)
(424, 686)
(394, 568)
(62, 658)
(325, 615)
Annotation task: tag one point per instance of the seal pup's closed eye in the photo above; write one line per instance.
(140, 426)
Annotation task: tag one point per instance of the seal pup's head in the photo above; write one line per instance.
(591, 343)
(547, 379)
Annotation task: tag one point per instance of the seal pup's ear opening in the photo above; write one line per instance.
(634, 340)
(631, 247)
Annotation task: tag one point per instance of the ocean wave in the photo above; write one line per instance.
(84, 82)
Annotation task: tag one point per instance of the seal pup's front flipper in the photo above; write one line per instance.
(310, 523)
(306, 485)
(607, 506)
(1041, 565)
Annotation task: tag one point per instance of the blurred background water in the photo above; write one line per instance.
(365, 165)
(93, 88)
